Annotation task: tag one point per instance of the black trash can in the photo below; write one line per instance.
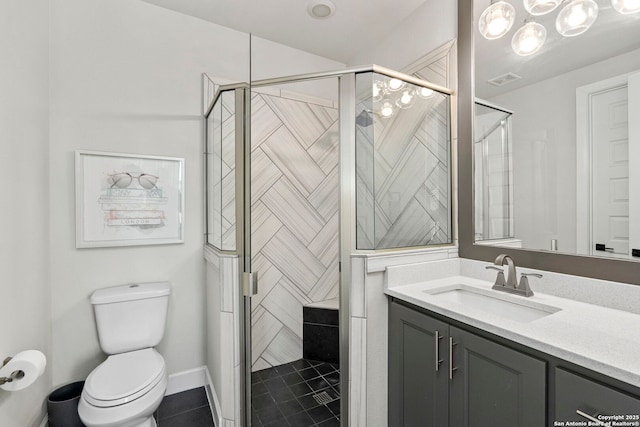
(62, 405)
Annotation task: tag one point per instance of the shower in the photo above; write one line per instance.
(303, 172)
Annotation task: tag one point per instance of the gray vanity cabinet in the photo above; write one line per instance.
(468, 381)
(418, 380)
(578, 398)
(493, 385)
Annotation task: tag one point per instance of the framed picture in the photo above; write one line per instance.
(127, 199)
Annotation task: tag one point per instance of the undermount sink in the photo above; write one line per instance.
(504, 305)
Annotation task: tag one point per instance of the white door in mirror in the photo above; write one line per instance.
(610, 156)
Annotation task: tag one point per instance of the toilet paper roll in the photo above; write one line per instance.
(30, 362)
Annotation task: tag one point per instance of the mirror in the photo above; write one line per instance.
(556, 151)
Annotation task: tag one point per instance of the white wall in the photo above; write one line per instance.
(270, 59)
(368, 340)
(24, 260)
(544, 151)
(432, 25)
(125, 77)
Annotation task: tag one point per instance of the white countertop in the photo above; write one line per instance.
(602, 339)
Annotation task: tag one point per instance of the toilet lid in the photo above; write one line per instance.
(124, 377)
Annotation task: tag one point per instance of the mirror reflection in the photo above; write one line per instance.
(556, 149)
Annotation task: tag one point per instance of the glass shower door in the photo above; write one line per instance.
(294, 248)
(493, 174)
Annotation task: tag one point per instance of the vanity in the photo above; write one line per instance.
(529, 185)
(463, 354)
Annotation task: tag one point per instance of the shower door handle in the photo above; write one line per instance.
(250, 283)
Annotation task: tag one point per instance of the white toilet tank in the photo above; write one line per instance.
(131, 317)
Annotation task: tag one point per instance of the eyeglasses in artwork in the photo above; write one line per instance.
(124, 180)
(127, 199)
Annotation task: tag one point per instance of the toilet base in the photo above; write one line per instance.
(138, 413)
(151, 422)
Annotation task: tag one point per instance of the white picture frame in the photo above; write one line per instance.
(128, 199)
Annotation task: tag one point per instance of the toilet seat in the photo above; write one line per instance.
(124, 377)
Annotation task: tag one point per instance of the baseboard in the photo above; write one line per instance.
(186, 380)
(214, 403)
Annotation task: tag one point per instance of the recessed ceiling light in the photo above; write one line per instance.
(321, 9)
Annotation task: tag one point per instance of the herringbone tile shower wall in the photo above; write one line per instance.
(294, 215)
(403, 174)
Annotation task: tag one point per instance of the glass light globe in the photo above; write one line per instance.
(395, 85)
(378, 90)
(406, 99)
(626, 7)
(386, 110)
(576, 17)
(541, 7)
(496, 20)
(528, 39)
(424, 92)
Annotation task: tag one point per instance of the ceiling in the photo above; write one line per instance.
(356, 24)
(360, 24)
(611, 35)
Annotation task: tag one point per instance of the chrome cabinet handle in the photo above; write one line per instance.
(438, 337)
(451, 368)
(591, 418)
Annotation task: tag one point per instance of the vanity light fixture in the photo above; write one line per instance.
(392, 94)
(529, 38)
(378, 90)
(395, 85)
(321, 9)
(406, 99)
(386, 110)
(626, 7)
(541, 7)
(576, 17)
(496, 20)
(424, 92)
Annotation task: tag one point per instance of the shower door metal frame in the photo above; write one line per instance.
(347, 217)
(505, 132)
(347, 227)
(242, 250)
(346, 210)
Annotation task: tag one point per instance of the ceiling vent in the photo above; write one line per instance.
(504, 79)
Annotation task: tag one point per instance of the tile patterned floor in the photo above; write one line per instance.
(303, 393)
(189, 408)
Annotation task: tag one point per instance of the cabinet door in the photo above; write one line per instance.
(418, 383)
(575, 393)
(493, 385)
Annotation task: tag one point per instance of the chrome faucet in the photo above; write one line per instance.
(511, 283)
(523, 287)
(512, 278)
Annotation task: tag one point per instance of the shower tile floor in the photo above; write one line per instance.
(303, 393)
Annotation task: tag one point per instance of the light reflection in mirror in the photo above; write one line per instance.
(572, 142)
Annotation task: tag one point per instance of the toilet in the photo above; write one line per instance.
(127, 388)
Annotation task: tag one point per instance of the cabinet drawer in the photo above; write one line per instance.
(576, 393)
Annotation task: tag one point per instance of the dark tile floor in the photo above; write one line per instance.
(189, 408)
(303, 393)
